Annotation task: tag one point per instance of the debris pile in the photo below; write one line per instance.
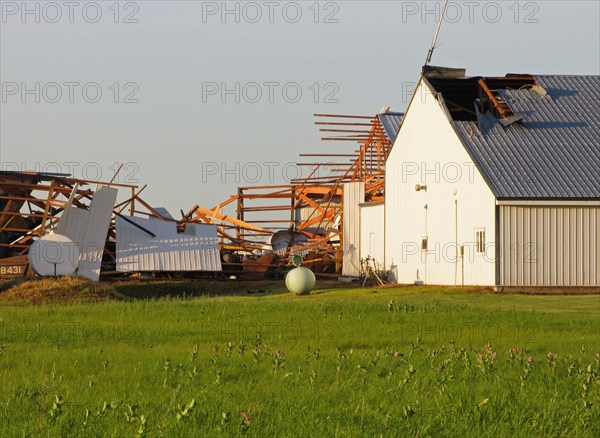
(53, 224)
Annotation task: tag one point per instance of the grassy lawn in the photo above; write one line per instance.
(260, 362)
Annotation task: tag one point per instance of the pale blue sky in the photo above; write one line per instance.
(372, 55)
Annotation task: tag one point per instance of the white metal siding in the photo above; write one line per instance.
(137, 251)
(101, 210)
(372, 233)
(549, 246)
(73, 223)
(88, 229)
(354, 194)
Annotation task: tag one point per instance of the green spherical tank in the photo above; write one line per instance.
(300, 281)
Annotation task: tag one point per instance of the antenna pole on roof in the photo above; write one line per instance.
(435, 37)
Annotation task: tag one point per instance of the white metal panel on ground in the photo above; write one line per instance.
(88, 229)
(372, 233)
(354, 194)
(549, 246)
(100, 213)
(195, 250)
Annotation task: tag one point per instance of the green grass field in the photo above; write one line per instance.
(340, 362)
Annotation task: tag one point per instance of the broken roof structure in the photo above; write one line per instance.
(526, 213)
(530, 136)
(303, 217)
(73, 220)
(311, 205)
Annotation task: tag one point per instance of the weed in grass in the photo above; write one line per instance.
(56, 408)
(176, 380)
(185, 410)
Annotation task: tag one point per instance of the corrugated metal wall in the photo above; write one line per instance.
(195, 250)
(354, 194)
(88, 229)
(549, 246)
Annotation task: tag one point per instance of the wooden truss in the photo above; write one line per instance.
(311, 205)
(31, 203)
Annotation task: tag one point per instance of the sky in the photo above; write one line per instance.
(196, 98)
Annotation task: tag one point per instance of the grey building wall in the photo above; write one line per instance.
(550, 245)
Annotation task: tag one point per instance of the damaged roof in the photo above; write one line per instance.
(551, 150)
(391, 122)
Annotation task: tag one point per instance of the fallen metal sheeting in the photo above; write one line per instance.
(269, 225)
(88, 229)
(196, 249)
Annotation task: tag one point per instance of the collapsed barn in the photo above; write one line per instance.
(54, 224)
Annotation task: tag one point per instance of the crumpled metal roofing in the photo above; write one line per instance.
(197, 249)
(391, 124)
(554, 152)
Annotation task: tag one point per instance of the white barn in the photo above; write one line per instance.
(495, 181)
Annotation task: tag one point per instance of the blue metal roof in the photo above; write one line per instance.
(553, 152)
(391, 124)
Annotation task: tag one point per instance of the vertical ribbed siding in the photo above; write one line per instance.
(354, 194)
(391, 124)
(549, 246)
(88, 229)
(195, 250)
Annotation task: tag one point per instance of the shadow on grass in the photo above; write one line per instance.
(76, 290)
(210, 288)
